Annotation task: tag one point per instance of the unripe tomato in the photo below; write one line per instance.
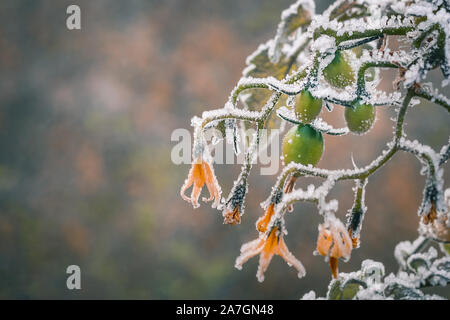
(361, 118)
(358, 51)
(307, 107)
(302, 144)
(339, 73)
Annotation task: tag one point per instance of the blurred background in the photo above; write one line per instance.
(85, 171)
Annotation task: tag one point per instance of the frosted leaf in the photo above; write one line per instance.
(405, 248)
(421, 261)
(401, 290)
(296, 16)
(372, 271)
(260, 66)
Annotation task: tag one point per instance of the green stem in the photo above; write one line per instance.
(361, 82)
(229, 116)
(357, 43)
(428, 96)
(418, 41)
(401, 115)
(353, 35)
(239, 89)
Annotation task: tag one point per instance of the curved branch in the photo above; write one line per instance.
(438, 99)
(361, 81)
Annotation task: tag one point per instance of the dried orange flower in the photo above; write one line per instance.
(232, 216)
(201, 173)
(263, 222)
(436, 224)
(334, 242)
(430, 216)
(266, 246)
(355, 240)
(437, 229)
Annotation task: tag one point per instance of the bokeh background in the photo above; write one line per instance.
(85, 171)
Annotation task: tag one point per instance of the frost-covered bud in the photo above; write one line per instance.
(354, 220)
(235, 205)
(435, 222)
(434, 203)
(355, 215)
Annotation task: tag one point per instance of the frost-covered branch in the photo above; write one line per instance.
(436, 98)
(418, 269)
(329, 59)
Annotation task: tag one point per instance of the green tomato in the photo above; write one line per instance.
(339, 73)
(361, 118)
(358, 51)
(302, 144)
(307, 108)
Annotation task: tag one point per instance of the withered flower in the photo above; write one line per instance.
(232, 216)
(263, 222)
(267, 245)
(334, 242)
(201, 173)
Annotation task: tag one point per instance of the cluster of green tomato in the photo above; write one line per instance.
(303, 143)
